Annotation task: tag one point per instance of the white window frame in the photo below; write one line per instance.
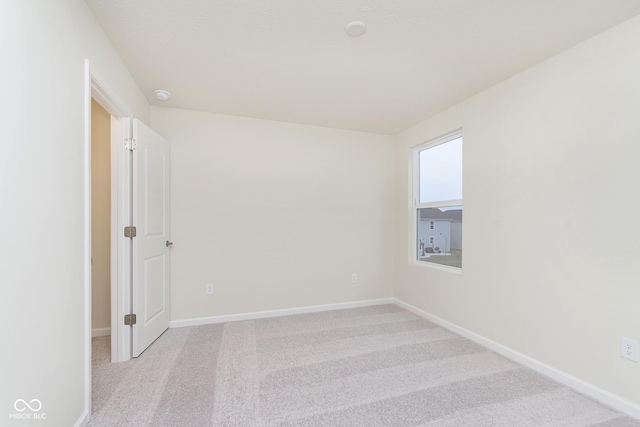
(414, 200)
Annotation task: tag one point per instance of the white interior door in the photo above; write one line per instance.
(151, 246)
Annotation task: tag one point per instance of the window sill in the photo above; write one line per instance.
(434, 266)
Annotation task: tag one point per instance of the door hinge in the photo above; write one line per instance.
(130, 144)
(129, 319)
(130, 232)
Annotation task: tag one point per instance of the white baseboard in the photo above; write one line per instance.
(83, 420)
(603, 396)
(276, 313)
(100, 332)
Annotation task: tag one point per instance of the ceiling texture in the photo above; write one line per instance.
(292, 61)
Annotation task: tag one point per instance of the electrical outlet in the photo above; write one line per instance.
(354, 278)
(629, 349)
(208, 289)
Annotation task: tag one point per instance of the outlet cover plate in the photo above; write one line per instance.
(629, 349)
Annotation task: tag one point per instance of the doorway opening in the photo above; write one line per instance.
(113, 298)
(100, 221)
(131, 191)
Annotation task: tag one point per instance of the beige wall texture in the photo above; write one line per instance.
(100, 217)
(551, 205)
(275, 215)
(42, 191)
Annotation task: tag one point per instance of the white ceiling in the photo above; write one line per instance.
(291, 60)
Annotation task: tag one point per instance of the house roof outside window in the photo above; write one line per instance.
(437, 214)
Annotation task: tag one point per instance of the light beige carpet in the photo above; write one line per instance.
(371, 366)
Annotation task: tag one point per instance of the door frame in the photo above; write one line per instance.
(120, 216)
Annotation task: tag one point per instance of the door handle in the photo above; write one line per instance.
(169, 244)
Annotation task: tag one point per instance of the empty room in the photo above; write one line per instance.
(312, 213)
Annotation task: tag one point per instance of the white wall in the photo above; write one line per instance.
(548, 156)
(275, 215)
(43, 47)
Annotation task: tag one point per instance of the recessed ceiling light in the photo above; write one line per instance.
(355, 28)
(162, 95)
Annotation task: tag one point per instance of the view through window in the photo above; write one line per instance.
(438, 201)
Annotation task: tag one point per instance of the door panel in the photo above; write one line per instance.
(155, 303)
(151, 256)
(155, 161)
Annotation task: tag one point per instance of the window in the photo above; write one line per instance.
(437, 188)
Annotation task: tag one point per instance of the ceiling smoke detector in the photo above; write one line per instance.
(355, 28)
(162, 95)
